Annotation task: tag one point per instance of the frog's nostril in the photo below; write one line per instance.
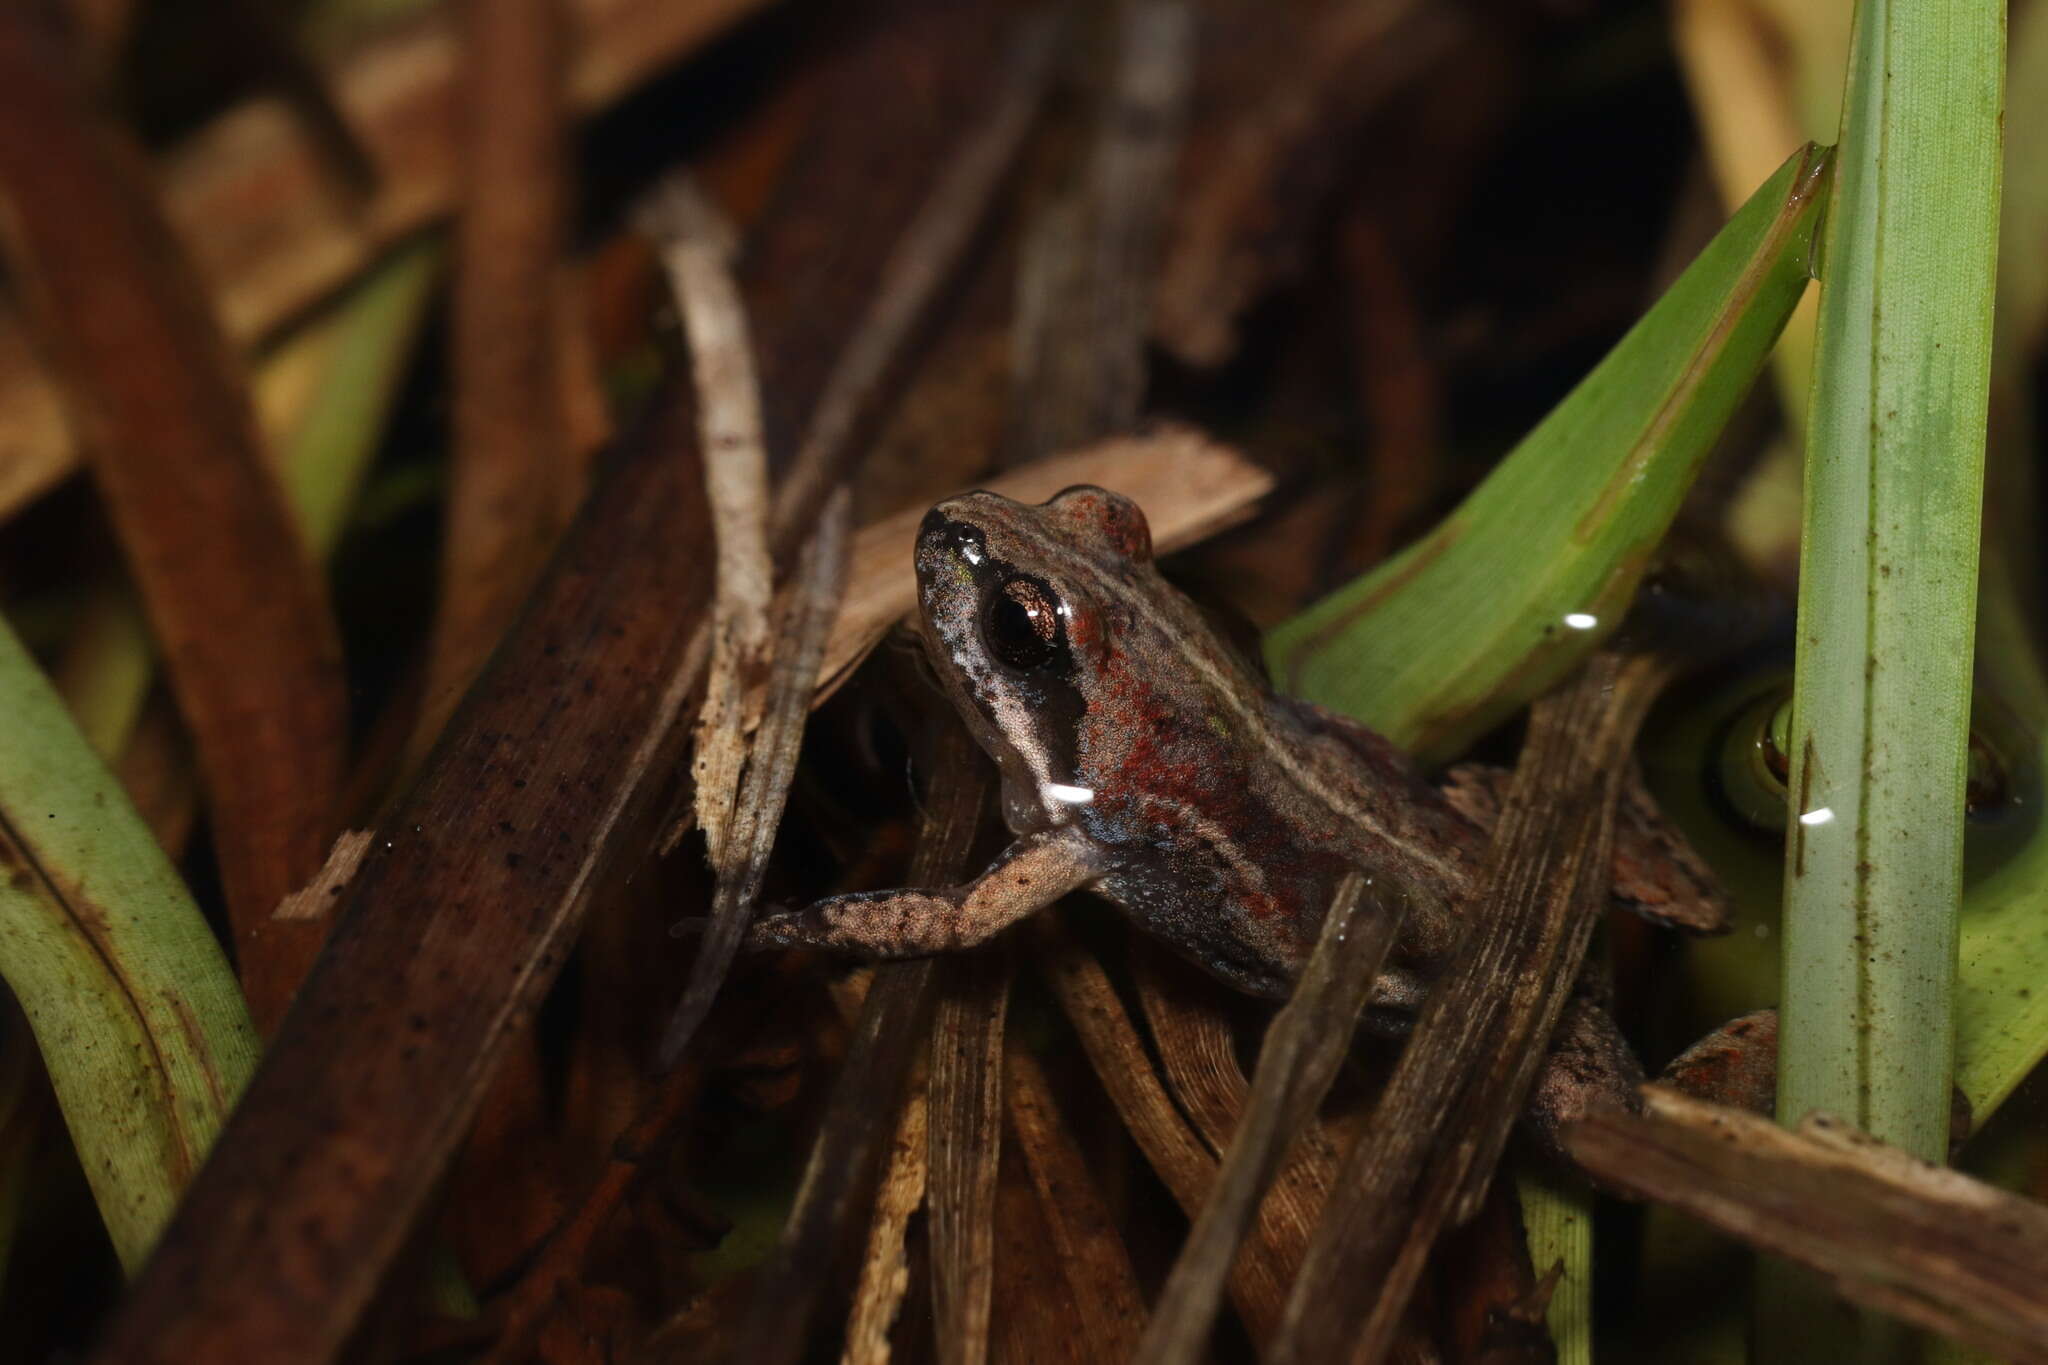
(940, 533)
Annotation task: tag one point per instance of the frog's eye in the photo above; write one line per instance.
(1021, 623)
(1756, 761)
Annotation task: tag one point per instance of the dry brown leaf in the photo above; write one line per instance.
(248, 195)
(514, 482)
(1306, 1044)
(884, 1271)
(966, 1130)
(242, 619)
(545, 790)
(1091, 1253)
(314, 899)
(1887, 1230)
(1184, 1164)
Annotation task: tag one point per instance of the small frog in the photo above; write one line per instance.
(1144, 758)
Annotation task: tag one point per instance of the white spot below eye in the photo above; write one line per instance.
(1073, 796)
(1581, 620)
(1818, 817)
(970, 552)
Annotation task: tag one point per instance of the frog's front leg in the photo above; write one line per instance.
(1029, 875)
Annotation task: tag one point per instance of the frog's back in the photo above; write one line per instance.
(1234, 813)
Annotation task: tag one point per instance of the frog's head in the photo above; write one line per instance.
(1022, 607)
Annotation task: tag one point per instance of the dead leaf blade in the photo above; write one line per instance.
(1926, 1244)
(801, 627)
(513, 485)
(965, 1088)
(1121, 1063)
(696, 248)
(863, 1110)
(247, 194)
(1100, 1280)
(242, 620)
(1303, 1049)
(1437, 1131)
(454, 926)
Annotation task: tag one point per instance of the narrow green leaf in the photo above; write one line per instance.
(139, 1020)
(2002, 1003)
(1559, 1216)
(1888, 575)
(1494, 606)
(369, 338)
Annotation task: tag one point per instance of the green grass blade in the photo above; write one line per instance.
(1894, 477)
(330, 449)
(1558, 1212)
(1449, 637)
(2002, 1005)
(139, 1020)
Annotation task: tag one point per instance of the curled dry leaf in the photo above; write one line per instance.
(1192, 1032)
(1118, 1055)
(1091, 1253)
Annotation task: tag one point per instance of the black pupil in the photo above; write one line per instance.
(1023, 626)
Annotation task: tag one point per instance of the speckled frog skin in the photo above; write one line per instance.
(1143, 758)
